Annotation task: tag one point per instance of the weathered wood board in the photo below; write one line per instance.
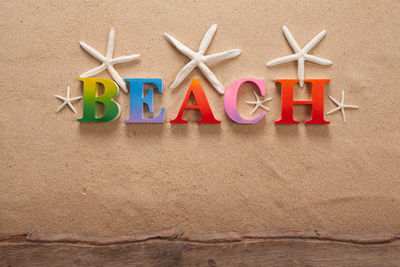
(174, 248)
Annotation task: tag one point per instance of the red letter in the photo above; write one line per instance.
(316, 102)
(202, 104)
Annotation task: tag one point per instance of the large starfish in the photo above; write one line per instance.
(67, 100)
(301, 55)
(199, 60)
(108, 61)
(340, 106)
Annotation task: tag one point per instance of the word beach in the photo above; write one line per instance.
(138, 100)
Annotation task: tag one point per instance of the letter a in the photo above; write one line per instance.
(202, 104)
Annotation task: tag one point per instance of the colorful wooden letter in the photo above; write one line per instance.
(316, 102)
(202, 104)
(230, 100)
(137, 100)
(91, 99)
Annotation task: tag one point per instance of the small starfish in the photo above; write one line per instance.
(199, 60)
(301, 54)
(67, 101)
(258, 103)
(107, 61)
(340, 106)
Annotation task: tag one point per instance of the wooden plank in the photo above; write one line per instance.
(173, 248)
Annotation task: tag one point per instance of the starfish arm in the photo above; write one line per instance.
(291, 40)
(333, 110)
(222, 55)
(343, 114)
(60, 97)
(282, 60)
(252, 102)
(351, 106)
(256, 95)
(342, 99)
(62, 105)
(72, 107)
(211, 78)
(314, 41)
(110, 47)
(253, 110)
(300, 70)
(76, 98)
(124, 59)
(207, 39)
(264, 107)
(317, 60)
(334, 100)
(117, 78)
(93, 52)
(94, 71)
(266, 100)
(183, 73)
(181, 47)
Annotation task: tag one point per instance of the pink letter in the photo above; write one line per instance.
(230, 100)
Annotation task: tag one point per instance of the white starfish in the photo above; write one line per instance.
(67, 101)
(340, 106)
(301, 54)
(107, 61)
(258, 103)
(199, 60)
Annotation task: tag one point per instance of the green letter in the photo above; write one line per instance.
(91, 98)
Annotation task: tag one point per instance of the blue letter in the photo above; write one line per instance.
(137, 100)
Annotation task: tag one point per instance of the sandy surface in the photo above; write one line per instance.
(58, 175)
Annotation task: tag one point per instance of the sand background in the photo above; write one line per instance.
(58, 175)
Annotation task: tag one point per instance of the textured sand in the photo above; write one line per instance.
(58, 175)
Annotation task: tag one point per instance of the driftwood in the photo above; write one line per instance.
(172, 247)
